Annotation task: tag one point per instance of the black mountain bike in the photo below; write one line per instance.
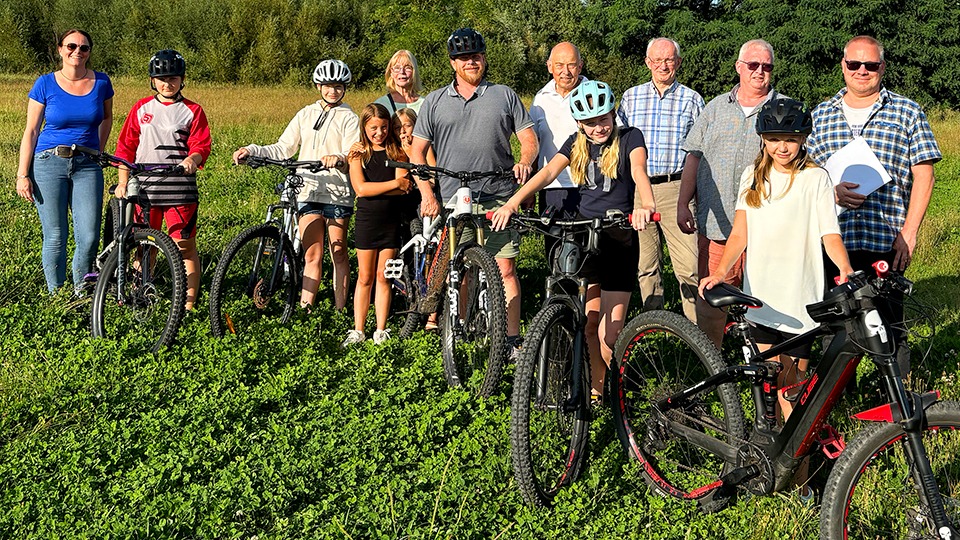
(261, 270)
(463, 282)
(550, 406)
(678, 411)
(140, 282)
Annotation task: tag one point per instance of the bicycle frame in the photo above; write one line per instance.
(862, 331)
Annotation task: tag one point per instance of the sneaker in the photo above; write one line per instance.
(513, 354)
(808, 497)
(380, 336)
(353, 337)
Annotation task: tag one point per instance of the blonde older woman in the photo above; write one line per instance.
(403, 82)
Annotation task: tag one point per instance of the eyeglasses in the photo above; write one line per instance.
(752, 66)
(854, 65)
(73, 46)
(662, 61)
(398, 69)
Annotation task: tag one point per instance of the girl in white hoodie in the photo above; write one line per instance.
(322, 131)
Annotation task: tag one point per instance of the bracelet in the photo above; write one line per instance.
(23, 176)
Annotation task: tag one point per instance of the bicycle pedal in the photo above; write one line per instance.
(831, 442)
(393, 269)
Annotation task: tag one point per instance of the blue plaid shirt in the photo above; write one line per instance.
(664, 122)
(899, 134)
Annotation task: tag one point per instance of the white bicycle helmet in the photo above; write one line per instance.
(590, 99)
(332, 71)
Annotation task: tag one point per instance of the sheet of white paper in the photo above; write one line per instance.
(857, 163)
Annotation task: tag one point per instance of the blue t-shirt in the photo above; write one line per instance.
(70, 119)
(600, 193)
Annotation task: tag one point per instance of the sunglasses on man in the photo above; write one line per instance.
(854, 65)
(752, 66)
(73, 46)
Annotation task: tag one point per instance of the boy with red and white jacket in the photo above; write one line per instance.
(167, 128)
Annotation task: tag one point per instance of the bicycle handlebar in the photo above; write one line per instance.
(426, 171)
(109, 160)
(538, 222)
(291, 165)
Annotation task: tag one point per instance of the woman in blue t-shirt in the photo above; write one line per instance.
(610, 166)
(73, 105)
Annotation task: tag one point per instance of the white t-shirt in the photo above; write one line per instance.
(554, 124)
(784, 262)
(857, 118)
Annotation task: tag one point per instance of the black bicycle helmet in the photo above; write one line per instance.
(167, 63)
(784, 115)
(465, 41)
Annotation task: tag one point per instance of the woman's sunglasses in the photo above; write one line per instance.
(73, 46)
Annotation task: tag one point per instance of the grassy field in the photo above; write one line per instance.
(284, 435)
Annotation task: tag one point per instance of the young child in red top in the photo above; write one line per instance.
(168, 128)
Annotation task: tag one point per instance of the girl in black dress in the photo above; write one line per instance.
(378, 216)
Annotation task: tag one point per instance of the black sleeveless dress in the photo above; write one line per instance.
(377, 221)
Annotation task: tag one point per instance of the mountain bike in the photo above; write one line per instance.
(260, 273)
(550, 407)
(140, 282)
(678, 413)
(459, 278)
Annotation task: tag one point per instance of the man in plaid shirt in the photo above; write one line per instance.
(664, 111)
(882, 225)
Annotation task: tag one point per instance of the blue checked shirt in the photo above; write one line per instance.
(899, 134)
(664, 122)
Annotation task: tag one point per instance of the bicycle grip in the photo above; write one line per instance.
(85, 150)
(399, 165)
(653, 217)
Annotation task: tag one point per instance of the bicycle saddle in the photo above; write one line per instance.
(724, 294)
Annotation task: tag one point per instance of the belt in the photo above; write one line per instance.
(661, 178)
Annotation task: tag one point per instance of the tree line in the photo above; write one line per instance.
(280, 41)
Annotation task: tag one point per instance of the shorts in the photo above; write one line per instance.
(503, 244)
(708, 257)
(327, 210)
(771, 336)
(614, 267)
(181, 219)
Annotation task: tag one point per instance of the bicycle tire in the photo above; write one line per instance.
(407, 303)
(548, 442)
(149, 310)
(871, 492)
(657, 354)
(111, 221)
(478, 344)
(238, 300)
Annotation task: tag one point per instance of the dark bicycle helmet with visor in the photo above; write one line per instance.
(784, 115)
(465, 41)
(167, 63)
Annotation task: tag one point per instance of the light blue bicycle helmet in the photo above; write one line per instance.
(590, 99)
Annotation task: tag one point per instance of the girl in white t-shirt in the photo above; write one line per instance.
(784, 211)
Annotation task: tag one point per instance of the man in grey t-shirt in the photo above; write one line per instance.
(469, 124)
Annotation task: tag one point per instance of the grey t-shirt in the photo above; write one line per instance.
(473, 134)
(726, 141)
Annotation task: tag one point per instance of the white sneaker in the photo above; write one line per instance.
(380, 336)
(353, 337)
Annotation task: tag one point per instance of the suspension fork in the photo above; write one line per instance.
(914, 420)
(578, 401)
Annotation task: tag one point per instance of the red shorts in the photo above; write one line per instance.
(181, 219)
(708, 257)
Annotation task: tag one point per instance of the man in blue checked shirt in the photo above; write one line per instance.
(882, 225)
(664, 111)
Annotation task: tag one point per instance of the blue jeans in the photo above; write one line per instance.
(59, 183)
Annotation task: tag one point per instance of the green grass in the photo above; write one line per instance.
(285, 436)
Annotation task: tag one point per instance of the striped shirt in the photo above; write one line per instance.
(664, 122)
(899, 134)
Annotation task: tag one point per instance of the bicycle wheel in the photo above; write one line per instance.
(148, 308)
(657, 354)
(548, 432)
(475, 343)
(405, 302)
(872, 491)
(241, 293)
(111, 221)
